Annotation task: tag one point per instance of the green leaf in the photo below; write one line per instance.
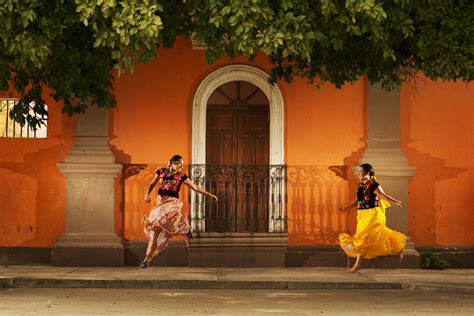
(225, 10)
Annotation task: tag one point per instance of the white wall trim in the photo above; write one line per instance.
(249, 74)
(259, 78)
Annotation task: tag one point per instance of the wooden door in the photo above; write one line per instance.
(237, 136)
(237, 158)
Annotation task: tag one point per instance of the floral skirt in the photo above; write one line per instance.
(372, 237)
(166, 219)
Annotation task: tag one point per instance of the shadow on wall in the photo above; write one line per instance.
(135, 181)
(314, 193)
(436, 132)
(119, 205)
(423, 211)
(317, 192)
(135, 178)
(32, 200)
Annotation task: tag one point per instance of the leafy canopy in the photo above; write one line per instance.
(73, 47)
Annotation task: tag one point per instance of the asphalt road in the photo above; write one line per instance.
(29, 301)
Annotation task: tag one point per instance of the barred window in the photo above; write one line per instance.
(11, 129)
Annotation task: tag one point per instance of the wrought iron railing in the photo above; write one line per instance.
(306, 206)
(251, 198)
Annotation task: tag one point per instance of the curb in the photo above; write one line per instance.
(6, 283)
(439, 288)
(214, 284)
(193, 284)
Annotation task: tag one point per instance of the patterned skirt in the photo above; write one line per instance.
(372, 237)
(166, 216)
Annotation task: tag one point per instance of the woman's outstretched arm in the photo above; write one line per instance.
(343, 208)
(380, 192)
(150, 188)
(198, 189)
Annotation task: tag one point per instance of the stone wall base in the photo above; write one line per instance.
(179, 255)
(87, 256)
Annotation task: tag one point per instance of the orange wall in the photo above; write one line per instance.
(323, 129)
(437, 137)
(153, 121)
(32, 190)
(154, 105)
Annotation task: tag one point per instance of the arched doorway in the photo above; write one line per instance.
(237, 158)
(218, 93)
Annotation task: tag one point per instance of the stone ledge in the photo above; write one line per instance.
(177, 255)
(89, 170)
(191, 284)
(87, 256)
(29, 282)
(458, 257)
(25, 255)
(239, 240)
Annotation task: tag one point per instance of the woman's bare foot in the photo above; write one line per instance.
(400, 255)
(354, 269)
(357, 264)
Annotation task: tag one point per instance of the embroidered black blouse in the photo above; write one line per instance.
(170, 182)
(366, 197)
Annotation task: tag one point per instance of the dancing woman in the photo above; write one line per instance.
(165, 219)
(372, 238)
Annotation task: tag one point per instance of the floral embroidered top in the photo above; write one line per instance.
(366, 197)
(170, 182)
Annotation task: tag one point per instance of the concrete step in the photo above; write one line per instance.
(190, 284)
(451, 280)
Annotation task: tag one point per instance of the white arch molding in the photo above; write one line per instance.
(257, 77)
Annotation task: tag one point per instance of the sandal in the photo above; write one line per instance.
(144, 264)
(189, 234)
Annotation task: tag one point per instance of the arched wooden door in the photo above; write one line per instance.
(237, 158)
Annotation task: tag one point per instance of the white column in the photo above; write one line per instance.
(385, 155)
(89, 238)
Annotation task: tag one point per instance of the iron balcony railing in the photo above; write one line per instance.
(309, 217)
(251, 198)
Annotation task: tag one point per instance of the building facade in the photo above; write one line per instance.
(280, 157)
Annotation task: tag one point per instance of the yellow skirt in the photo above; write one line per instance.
(372, 237)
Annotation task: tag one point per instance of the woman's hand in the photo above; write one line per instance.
(213, 197)
(400, 204)
(150, 188)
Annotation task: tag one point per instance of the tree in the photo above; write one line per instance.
(74, 47)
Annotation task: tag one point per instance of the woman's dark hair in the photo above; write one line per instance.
(367, 168)
(175, 158)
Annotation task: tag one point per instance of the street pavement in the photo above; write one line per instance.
(449, 280)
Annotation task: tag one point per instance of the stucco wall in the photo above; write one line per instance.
(322, 128)
(32, 190)
(437, 137)
(324, 133)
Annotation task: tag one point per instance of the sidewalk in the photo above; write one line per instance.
(450, 280)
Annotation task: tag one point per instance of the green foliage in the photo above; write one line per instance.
(129, 29)
(444, 42)
(44, 44)
(72, 47)
(433, 261)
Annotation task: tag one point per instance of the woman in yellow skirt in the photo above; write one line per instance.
(372, 237)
